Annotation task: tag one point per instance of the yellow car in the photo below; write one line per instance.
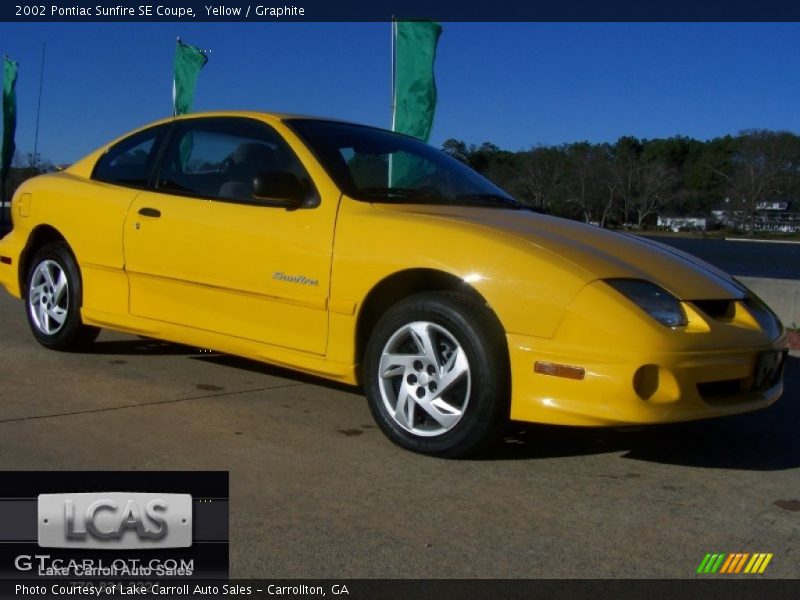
(366, 257)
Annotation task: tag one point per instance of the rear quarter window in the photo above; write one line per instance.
(130, 162)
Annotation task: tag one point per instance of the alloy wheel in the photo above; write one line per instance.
(48, 297)
(424, 379)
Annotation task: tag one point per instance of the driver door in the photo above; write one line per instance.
(201, 252)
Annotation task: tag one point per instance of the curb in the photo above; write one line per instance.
(761, 241)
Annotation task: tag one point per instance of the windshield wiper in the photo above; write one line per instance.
(391, 193)
(497, 199)
(416, 194)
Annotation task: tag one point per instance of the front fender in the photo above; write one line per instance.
(527, 287)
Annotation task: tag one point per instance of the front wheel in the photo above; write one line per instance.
(436, 374)
(53, 300)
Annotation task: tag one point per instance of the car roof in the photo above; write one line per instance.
(84, 166)
(278, 116)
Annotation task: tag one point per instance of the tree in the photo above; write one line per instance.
(541, 173)
(24, 166)
(625, 173)
(657, 186)
(643, 180)
(589, 184)
(457, 149)
(702, 186)
(632, 180)
(481, 157)
(764, 166)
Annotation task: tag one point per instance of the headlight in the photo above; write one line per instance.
(652, 299)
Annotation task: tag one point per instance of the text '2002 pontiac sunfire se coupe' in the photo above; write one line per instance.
(367, 257)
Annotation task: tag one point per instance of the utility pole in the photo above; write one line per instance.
(38, 110)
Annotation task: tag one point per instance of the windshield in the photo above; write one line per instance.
(375, 165)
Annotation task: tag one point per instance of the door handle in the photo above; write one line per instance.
(150, 212)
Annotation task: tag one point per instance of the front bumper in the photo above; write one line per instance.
(11, 248)
(643, 389)
(637, 371)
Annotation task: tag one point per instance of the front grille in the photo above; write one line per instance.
(711, 391)
(717, 309)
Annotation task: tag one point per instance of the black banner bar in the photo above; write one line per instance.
(385, 10)
(740, 588)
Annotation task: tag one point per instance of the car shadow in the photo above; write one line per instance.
(252, 366)
(144, 345)
(139, 346)
(766, 440)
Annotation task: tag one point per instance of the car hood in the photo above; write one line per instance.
(601, 253)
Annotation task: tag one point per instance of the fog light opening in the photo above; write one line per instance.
(558, 370)
(645, 381)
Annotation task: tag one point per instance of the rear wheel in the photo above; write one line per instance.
(436, 374)
(53, 300)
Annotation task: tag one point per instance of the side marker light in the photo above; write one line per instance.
(557, 370)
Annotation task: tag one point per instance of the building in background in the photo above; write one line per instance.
(774, 216)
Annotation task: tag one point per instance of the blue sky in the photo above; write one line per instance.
(514, 84)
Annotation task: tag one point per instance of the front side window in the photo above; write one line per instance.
(130, 162)
(220, 158)
(375, 165)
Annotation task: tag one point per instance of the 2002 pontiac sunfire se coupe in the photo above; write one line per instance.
(367, 257)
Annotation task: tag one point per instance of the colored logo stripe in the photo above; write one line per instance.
(758, 563)
(727, 564)
(711, 563)
(734, 563)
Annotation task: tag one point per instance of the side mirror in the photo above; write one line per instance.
(279, 188)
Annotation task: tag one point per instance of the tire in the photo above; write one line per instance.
(436, 375)
(53, 299)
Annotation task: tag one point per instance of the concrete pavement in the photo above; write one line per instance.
(782, 296)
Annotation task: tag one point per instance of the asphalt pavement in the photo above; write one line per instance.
(317, 491)
(746, 257)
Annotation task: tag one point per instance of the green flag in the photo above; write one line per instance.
(414, 86)
(9, 118)
(188, 62)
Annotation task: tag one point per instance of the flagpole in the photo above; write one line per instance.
(393, 31)
(39, 108)
(174, 91)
